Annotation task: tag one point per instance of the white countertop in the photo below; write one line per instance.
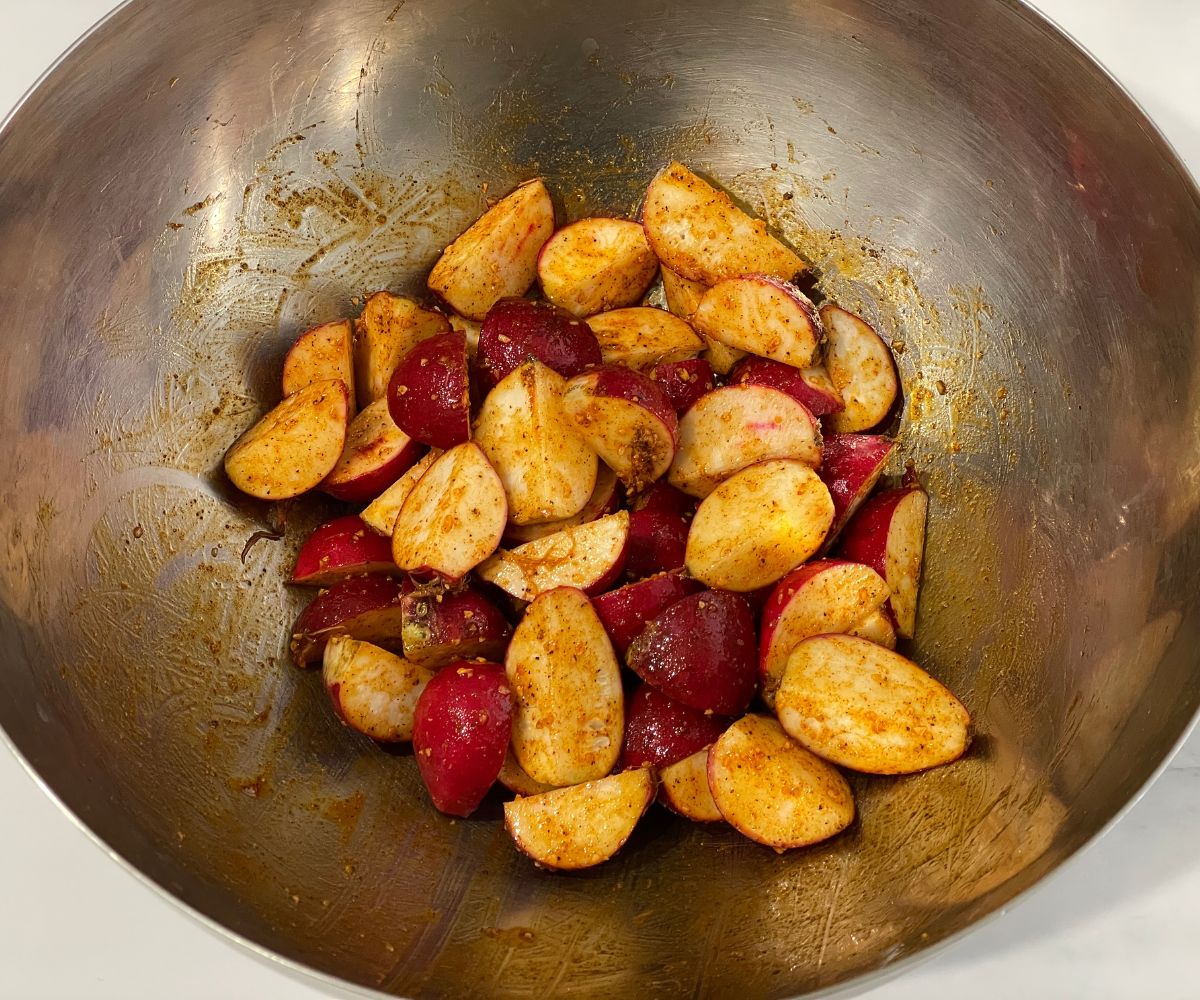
(1121, 921)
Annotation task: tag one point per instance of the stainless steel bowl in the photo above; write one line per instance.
(199, 180)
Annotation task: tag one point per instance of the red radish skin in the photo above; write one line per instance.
(701, 652)
(375, 455)
(324, 352)
(519, 330)
(684, 381)
(663, 498)
(660, 731)
(851, 465)
(341, 548)
(657, 543)
(429, 395)
(389, 327)
(605, 499)
(808, 386)
(596, 264)
(363, 607)
(439, 628)
(461, 731)
(626, 610)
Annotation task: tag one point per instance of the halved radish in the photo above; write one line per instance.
(596, 264)
(699, 233)
(759, 524)
(362, 607)
(324, 352)
(683, 788)
(701, 652)
(580, 826)
(548, 470)
(773, 790)
(626, 610)
(878, 627)
(429, 396)
(605, 499)
(660, 730)
(454, 517)
(569, 715)
(375, 455)
(869, 709)
(657, 543)
(381, 513)
(736, 426)
(642, 337)
(519, 330)
(764, 316)
(851, 466)
(341, 548)
(810, 386)
(588, 556)
(684, 381)
(439, 628)
(627, 419)
(373, 691)
(460, 734)
(513, 777)
(861, 366)
(497, 256)
(390, 326)
(888, 534)
(831, 595)
(292, 448)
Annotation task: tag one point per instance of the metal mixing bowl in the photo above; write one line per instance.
(201, 179)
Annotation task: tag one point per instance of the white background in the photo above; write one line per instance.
(1121, 921)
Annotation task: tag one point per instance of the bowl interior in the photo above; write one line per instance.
(200, 180)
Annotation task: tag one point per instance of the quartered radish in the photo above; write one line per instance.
(660, 730)
(381, 513)
(810, 386)
(626, 610)
(372, 690)
(763, 316)
(759, 524)
(684, 381)
(339, 549)
(441, 627)
(861, 366)
(294, 446)
(375, 455)
(469, 328)
(605, 499)
(389, 327)
(429, 395)
(682, 294)
(773, 790)
(596, 264)
(878, 627)
(324, 352)
(587, 556)
(657, 543)
(867, 708)
(851, 466)
(568, 721)
(518, 330)
(362, 607)
(736, 426)
(453, 518)
(642, 337)
(580, 826)
(683, 788)
(497, 256)
(662, 497)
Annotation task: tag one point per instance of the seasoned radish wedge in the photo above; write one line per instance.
(454, 517)
(810, 386)
(460, 734)
(372, 690)
(684, 381)
(661, 731)
(439, 628)
(390, 326)
(519, 330)
(580, 826)
(605, 499)
(569, 715)
(736, 426)
(429, 395)
(381, 513)
(627, 419)
(626, 610)
(831, 595)
(322, 353)
(587, 556)
(548, 470)
(861, 366)
(764, 316)
(339, 549)
(596, 264)
(469, 328)
(773, 790)
(292, 448)
(663, 498)
(375, 455)
(757, 525)
(700, 234)
(513, 777)
(851, 466)
(683, 788)
(657, 543)
(682, 295)
(362, 607)
(888, 534)
(642, 337)
(878, 627)
(869, 709)
(497, 256)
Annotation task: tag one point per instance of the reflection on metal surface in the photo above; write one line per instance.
(956, 172)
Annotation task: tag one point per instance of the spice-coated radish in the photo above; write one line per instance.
(387, 329)
(763, 316)
(324, 352)
(596, 264)
(520, 330)
(860, 364)
(429, 395)
(641, 337)
(372, 690)
(362, 607)
(338, 549)
(439, 628)
(375, 455)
